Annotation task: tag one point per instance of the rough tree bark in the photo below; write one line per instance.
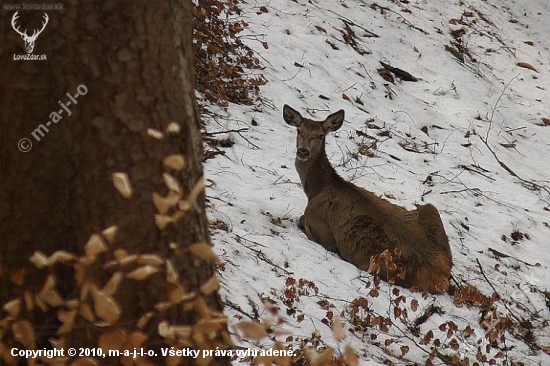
(145, 285)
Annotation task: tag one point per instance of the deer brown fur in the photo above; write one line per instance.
(357, 224)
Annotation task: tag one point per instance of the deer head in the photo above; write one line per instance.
(29, 40)
(310, 142)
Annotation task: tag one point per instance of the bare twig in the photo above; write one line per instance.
(520, 321)
(401, 15)
(526, 183)
(238, 309)
(260, 254)
(211, 154)
(503, 165)
(476, 169)
(495, 107)
(502, 255)
(226, 131)
(350, 22)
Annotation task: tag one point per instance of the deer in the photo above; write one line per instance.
(358, 225)
(29, 40)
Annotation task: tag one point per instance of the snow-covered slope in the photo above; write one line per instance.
(471, 136)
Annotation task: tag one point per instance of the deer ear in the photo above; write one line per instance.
(334, 121)
(291, 116)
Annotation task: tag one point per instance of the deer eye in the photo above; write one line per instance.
(299, 133)
(320, 136)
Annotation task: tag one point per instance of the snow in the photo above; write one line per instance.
(255, 189)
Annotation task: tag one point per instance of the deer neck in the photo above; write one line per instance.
(315, 174)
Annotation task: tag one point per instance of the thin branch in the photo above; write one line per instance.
(477, 171)
(520, 321)
(350, 22)
(504, 166)
(260, 254)
(495, 107)
(226, 131)
(526, 183)
(401, 15)
(237, 308)
(502, 255)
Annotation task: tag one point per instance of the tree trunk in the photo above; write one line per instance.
(128, 70)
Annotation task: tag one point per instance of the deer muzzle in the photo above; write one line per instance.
(302, 153)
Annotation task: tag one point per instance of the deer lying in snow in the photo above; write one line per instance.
(357, 224)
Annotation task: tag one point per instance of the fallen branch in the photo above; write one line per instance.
(526, 183)
(349, 37)
(502, 255)
(211, 154)
(238, 131)
(226, 131)
(238, 309)
(476, 169)
(374, 6)
(500, 162)
(260, 254)
(402, 74)
(351, 22)
(428, 312)
(520, 321)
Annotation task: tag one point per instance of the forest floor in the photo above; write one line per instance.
(471, 135)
